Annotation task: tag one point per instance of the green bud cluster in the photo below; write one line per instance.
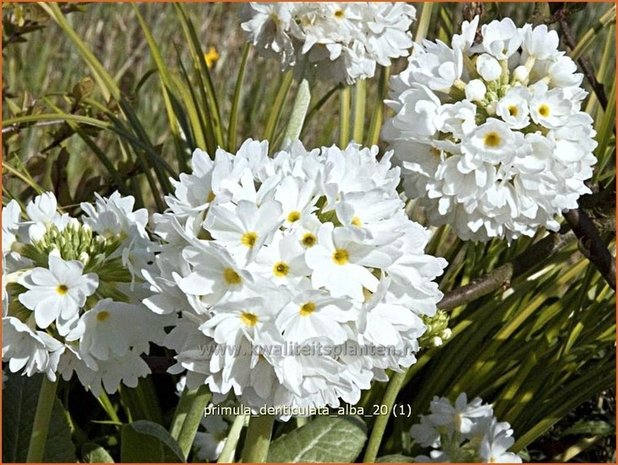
(74, 242)
(437, 330)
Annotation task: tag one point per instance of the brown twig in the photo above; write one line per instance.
(591, 244)
(503, 275)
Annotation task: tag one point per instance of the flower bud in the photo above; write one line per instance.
(475, 90)
(488, 67)
(521, 74)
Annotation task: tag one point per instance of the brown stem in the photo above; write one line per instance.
(591, 244)
(502, 276)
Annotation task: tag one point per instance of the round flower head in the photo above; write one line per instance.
(490, 135)
(72, 292)
(463, 432)
(341, 41)
(289, 272)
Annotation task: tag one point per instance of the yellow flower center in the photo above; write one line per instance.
(62, 289)
(249, 239)
(356, 221)
(307, 309)
(339, 14)
(513, 111)
(341, 256)
(249, 319)
(231, 277)
(102, 315)
(308, 240)
(492, 139)
(294, 216)
(281, 269)
(544, 110)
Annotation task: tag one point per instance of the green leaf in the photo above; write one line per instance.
(324, 439)
(395, 458)
(592, 428)
(145, 441)
(94, 453)
(19, 400)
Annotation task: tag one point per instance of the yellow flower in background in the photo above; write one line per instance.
(211, 57)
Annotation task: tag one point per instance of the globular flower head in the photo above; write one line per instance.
(338, 41)
(293, 266)
(490, 135)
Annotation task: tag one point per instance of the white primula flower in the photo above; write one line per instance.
(57, 293)
(42, 212)
(82, 281)
(463, 432)
(338, 41)
(29, 350)
(270, 279)
(490, 136)
(208, 445)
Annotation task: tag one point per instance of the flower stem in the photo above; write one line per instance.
(187, 417)
(423, 23)
(258, 437)
(299, 112)
(360, 96)
(377, 113)
(42, 417)
(375, 439)
(229, 449)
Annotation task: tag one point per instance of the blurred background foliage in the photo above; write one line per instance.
(100, 97)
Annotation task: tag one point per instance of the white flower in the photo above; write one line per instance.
(501, 38)
(32, 351)
(540, 43)
(340, 262)
(11, 214)
(245, 227)
(269, 26)
(113, 328)
(78, 279)
(461, 416)
(496, 442)
(435, 65)
(488, 67)
(463, 432)
(500, 147)
(56, 294)
(314, 313)
(209, 445)
(275, 324)
(338, 41)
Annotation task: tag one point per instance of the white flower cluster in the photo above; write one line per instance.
(490, 134)
(71, 292)
(464, 432)
(341, 41)
(299, 278)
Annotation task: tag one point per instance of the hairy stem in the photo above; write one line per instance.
(258, 437)
(42, 417)
(229, 449)
(375, 439)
